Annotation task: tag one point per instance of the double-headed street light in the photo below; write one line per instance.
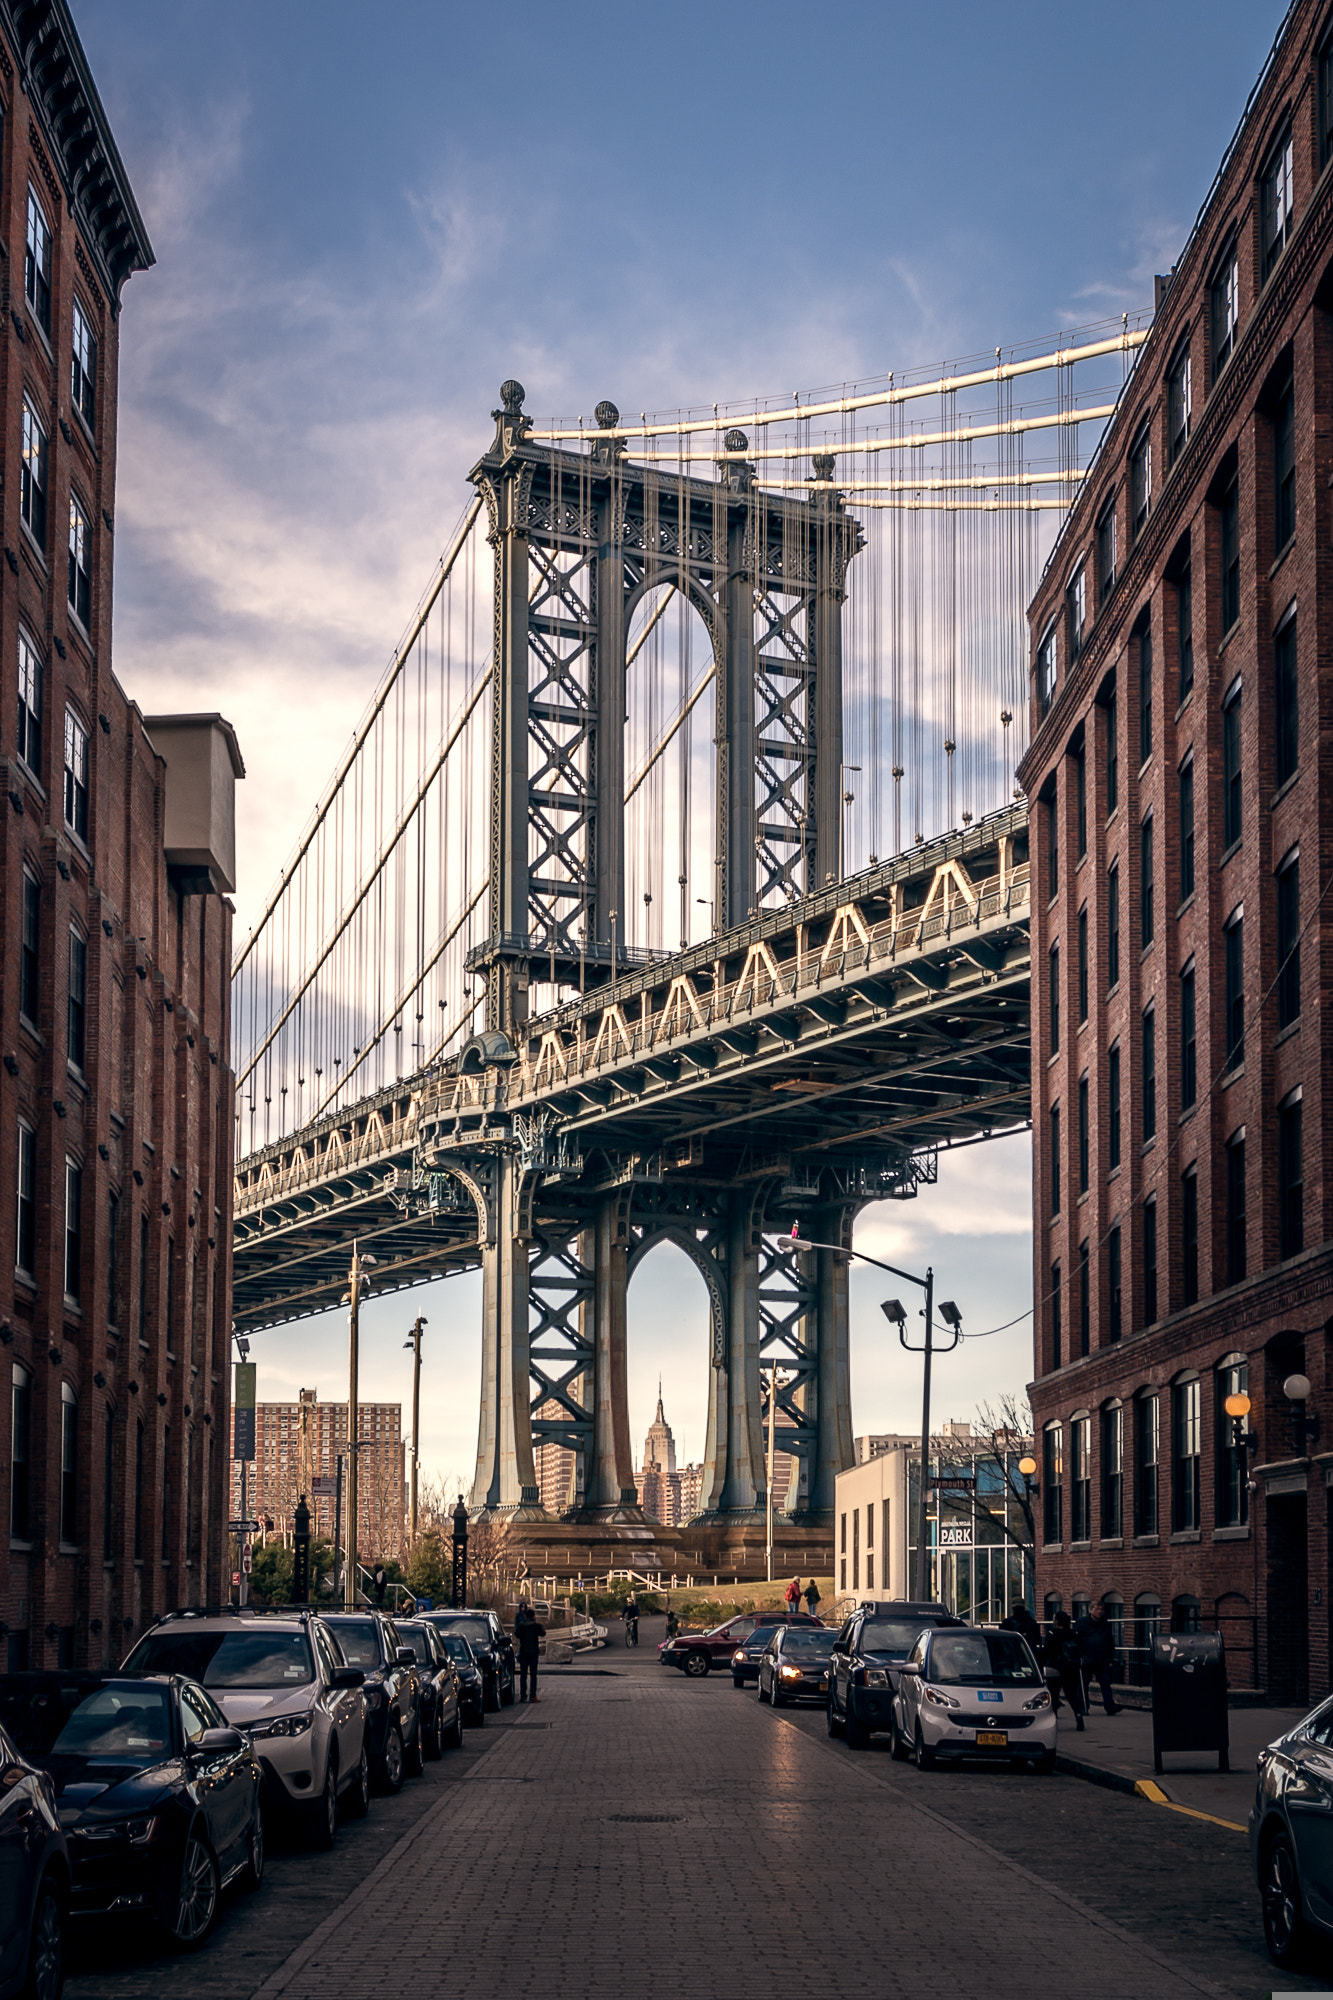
(414, 1342)
(352, 1298)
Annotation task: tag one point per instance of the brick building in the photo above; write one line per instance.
(115, 843)
(1181, 779)
(295, 1443)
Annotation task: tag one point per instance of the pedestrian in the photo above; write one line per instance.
(1060, 1658)
(794, 1596)
(381, 1585)
(1096, 1655)
(1021, 1620)
(527, 1636)
(812, 1598)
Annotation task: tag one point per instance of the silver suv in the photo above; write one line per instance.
(281, 1676)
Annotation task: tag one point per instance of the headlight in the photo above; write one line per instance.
(1042, 1700)
(738, 1656)
(938, 1696)
(285, 1725)
(138, 1832)
(877, 1677)
(790, 1673)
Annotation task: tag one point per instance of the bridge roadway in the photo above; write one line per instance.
(791, 1068)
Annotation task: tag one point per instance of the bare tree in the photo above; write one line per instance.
(1004, 1431)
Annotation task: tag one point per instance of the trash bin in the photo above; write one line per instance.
(1189, 1695)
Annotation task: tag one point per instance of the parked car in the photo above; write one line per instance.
(471, 1684)
(973, 1692)
(745, 1660)
(1290, 1843)
(369, 1640)
(697, 1653)
(34, 1879)
(281, 1677)
(867, 1656)
(161, 1800)
(441, 1708)
(794, 1665)
(492, 1648)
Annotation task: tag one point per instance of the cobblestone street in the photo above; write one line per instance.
(689, 1827)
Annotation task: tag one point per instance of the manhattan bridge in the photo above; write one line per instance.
(673, 887)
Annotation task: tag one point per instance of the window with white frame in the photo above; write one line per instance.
(1276, 202)
(1076, 607)
(1046, 670)
(1140, 482)
(1224, 308)
(80, 588)
(69, 1464)
(37, 264)
(83, 368)
(30, 704)
(1178, 410)
(25, 1244)
(32, 477)
(73, 1230)
(76, 775)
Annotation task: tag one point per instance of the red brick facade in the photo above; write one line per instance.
(115, 1094)
(1228, 544)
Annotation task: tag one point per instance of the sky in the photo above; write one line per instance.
(366, 219)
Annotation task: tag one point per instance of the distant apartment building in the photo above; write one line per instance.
(295, 1443)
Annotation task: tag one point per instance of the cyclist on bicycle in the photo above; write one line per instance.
(631, 1617)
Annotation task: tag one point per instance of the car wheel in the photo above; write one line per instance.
(435, 1734)
(414, 1760)
(1280, 1888)
(477, 1716)
(696, 1665)
(925, 1759)
(776, 1697)
(833, 1719)
(356, 1799)
(858, 1736)
(393, 1767)
(192, 1907)
(491, 1694)
(324, 1819)
(898, 1748)
(46, 1948)
(507, 1693)
(454, 1738)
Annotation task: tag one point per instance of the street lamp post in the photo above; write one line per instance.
(458, 1581)
(415, 1344)
(773, 1386)
(352, 1298)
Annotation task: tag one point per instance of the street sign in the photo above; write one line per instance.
(955, 1536)
(245, 1559)
(242, 1527)
(323, 1486)
(964, 1481)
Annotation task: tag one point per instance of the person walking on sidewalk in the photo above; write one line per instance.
(794, 1596)
(1096, 1655)
(1021, 1620)
(1061, 1661)
(812, 1598)
(527, 1636)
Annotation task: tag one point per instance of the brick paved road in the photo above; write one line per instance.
(757, 1845)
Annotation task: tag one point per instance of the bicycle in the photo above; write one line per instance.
(631, 1631)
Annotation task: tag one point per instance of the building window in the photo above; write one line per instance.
(83, 368)
(1187, 828)
(1113, 1107)
(1080, 801)
(143, 1278)
(1140, 482)
(856, 1548)
(108, 1484)
(171, 1294)
(30, 960)
(1113, 925)
(1052, 843)
(1055, 999)
(1084, 1300)
(1055, 1159)
(1046, 671)
(1290, 1178)
(76, 775)
(37, 264)
(138, 1491)
(1150, 1261)
(1188, 1046)
(1149, 1075)
(1112, 757)
(1289, 940)
(1080, 1477)
(1234, 995)
(1233, 1463)
(1284, 464)
(1083, 964)
(1186, 1614)
(1146, 883)
(1114, 1281)
(1275, 204)
(1186, 1444)
(32, 479)
(1184, 632)
(1189, 1233)
(1231, 799)
(1083, 1135)
(1230, 511)
(166, 1493)
(1113, 1451)
(1106, 552)
(1052, 1482)
(1146, 1447)
(1224, 309)
(1057, 1331)
(30, 705)
(113, 1259)
(20, 1449)
(1076, 609)
(1235, 1223)
(73, 1230)
(80, 589)
(1286, 741)
(76, 1008)
(1145, 694)
(69, 1464)
(1178, 403)
(25, 1253)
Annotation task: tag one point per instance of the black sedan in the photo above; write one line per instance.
(34, 1880)
(794, 1665)
(867, 1656)
(160, 1801)
(1289, 1839)
(471, 1683)
(441, 1708)
(492, 1646)
(370, 1640)
(745, 1660)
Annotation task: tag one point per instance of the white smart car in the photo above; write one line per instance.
(965, 1692)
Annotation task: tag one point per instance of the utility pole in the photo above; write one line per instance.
(357, 1290)
(415, 1344)
(923, 1496)
(772, 1425)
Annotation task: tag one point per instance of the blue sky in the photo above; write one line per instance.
(366, 218)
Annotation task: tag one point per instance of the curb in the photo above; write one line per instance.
(1096, 1774)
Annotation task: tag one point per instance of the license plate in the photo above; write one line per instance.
(823, 1687)
(993, 1739)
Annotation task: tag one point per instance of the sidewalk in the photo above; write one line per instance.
(1116, 1750)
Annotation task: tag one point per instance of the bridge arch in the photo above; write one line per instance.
(671, 761)
(705, 1263)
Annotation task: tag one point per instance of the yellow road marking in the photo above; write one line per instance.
(1146, 1789)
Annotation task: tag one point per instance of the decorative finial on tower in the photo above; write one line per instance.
(510, 420)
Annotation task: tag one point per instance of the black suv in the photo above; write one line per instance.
(492, 1648)
(867, 1654)
(370, 1640)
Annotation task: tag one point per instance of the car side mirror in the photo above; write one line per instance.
(839, 1646)
(348, 1677)
(405, 1657)
(218, 1743)
(909, 1667)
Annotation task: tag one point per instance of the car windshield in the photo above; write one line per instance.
(359, 1639)
(457, 1647)
(981, 1659)
(896, 1636)
(474, 1626)
(420, 1644)
(806, 1639)
(232, 1659)
(130, 1724)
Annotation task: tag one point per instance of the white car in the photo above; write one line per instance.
(965, 1692)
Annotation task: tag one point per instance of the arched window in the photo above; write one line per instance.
(1147, 1624)
(1232, 1378)
(1051, 1604)
(69, 1464)
(1052, 1483)
(1185, 1614)
(1186, 1455)
(1113, 1460)
(1115, 1618)
(20, 1492)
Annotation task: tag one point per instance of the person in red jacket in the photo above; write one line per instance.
(794, 1596)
